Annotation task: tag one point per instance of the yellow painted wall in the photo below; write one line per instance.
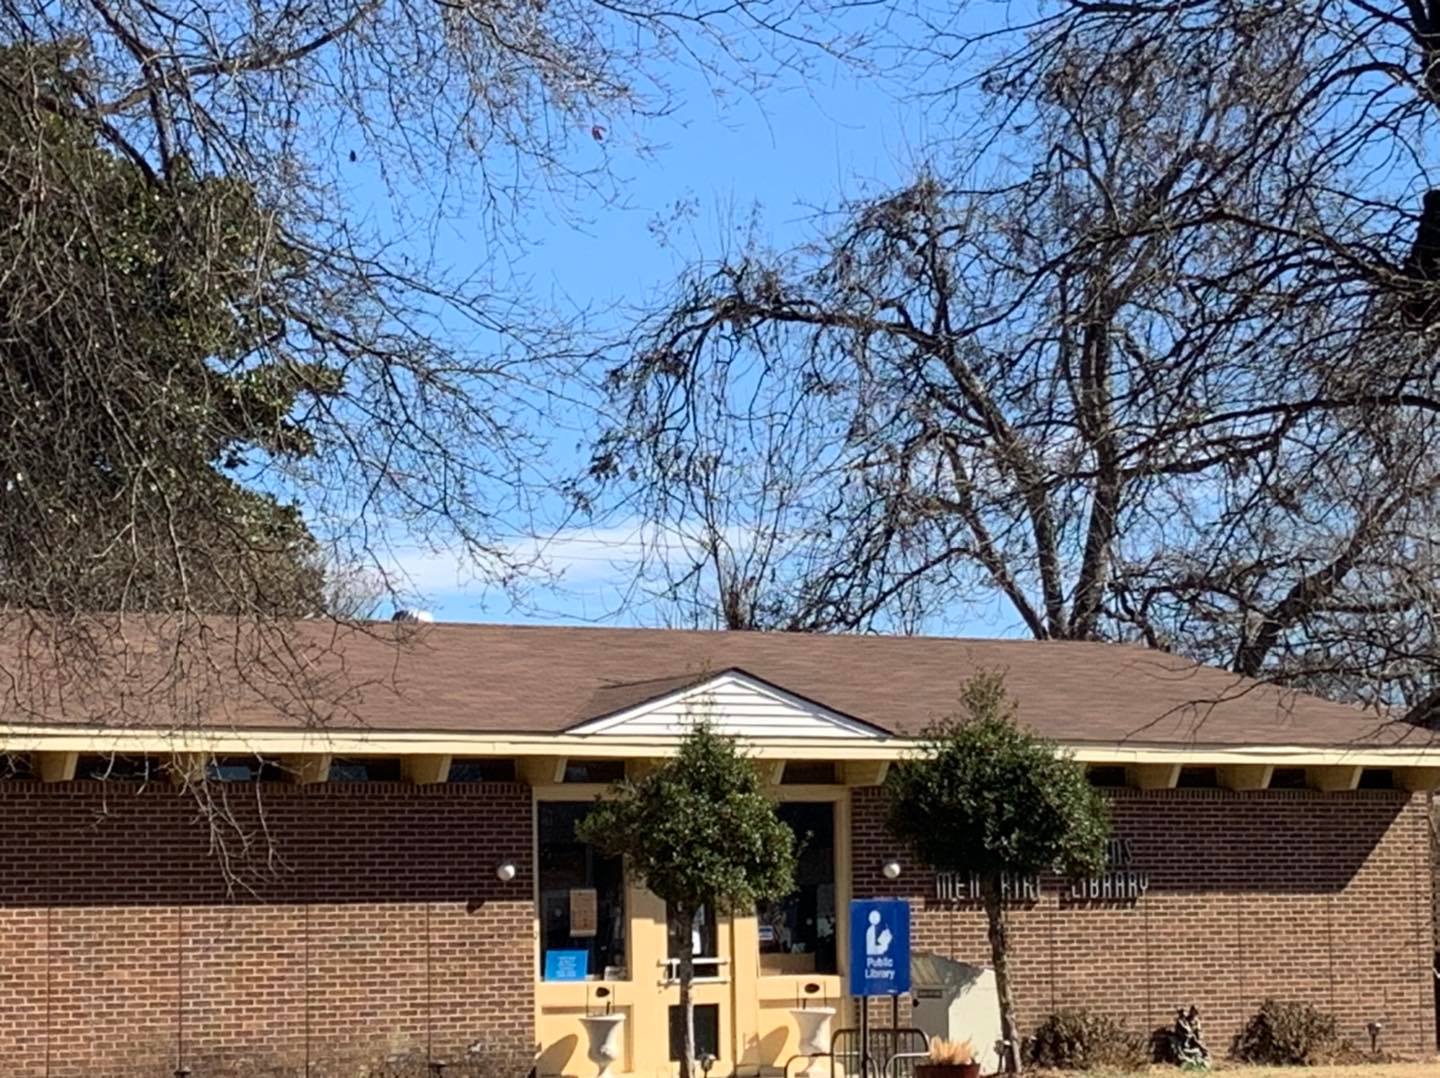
(756, 1026)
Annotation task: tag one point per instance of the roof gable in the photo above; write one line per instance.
(736, 704)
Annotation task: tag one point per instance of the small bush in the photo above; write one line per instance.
(1080, 1040)
(1287, 1034)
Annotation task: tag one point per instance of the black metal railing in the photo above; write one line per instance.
(888, 1052)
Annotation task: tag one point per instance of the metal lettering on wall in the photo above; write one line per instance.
(961, 887)
(1121, 881)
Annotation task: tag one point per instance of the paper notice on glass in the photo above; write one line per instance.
(584, 912)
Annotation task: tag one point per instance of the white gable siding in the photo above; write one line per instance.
(735, 705)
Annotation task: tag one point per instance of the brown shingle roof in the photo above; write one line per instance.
(533, 679)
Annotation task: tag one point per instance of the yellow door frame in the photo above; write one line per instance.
(754, 1009)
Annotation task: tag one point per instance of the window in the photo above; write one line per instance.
(808, 773)
(594, 770)
(118, 768)
(244, 769)
(1198, 778)
(707, 1031)
(481, 769)
(577, 880)
(1105, 775)
(1288, 778)
(797, 933)
(14, 765)
(365, 769)
(705, 942)
(1377, 778)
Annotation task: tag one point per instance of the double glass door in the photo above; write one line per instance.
(599, 927)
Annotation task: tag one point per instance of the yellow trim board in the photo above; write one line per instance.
(847, 751)
(542, 753)
(393, 743)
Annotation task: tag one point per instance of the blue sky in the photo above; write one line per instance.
(772, 164)
(775, 160)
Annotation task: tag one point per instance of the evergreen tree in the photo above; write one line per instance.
(699, 832)
(135, 378)
(984, 796)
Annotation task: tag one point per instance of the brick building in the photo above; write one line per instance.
(412, 882)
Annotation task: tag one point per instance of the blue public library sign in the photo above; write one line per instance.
(879, 947)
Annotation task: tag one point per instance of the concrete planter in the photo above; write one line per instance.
(814, 1026)
(604, 1033)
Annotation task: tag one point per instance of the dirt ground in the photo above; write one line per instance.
(1430, 1069)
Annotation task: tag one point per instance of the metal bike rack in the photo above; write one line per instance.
(902, 1064)
(885, 1044)
(808, 1059)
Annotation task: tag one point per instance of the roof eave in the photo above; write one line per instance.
(136, 741)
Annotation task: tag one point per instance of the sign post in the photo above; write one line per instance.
(879, 959)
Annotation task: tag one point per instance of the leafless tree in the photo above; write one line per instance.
(222, 369)
(1149, 371)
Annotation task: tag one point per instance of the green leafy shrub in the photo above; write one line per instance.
(1287, 1034)
(1080, 1040)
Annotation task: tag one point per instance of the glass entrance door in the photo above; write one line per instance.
(798, 932)
(712, 940)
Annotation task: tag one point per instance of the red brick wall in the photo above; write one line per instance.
(122, 954)
(382, 929)
(1305, 896)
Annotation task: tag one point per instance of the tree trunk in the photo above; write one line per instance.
(999, 943)
(684, 925)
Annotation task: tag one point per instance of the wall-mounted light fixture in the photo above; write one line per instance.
(891, 869)
(505, 871)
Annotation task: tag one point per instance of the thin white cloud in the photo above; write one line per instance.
(592, 566)
(576, 555)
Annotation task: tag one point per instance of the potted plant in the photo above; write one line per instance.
(949, 1059)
